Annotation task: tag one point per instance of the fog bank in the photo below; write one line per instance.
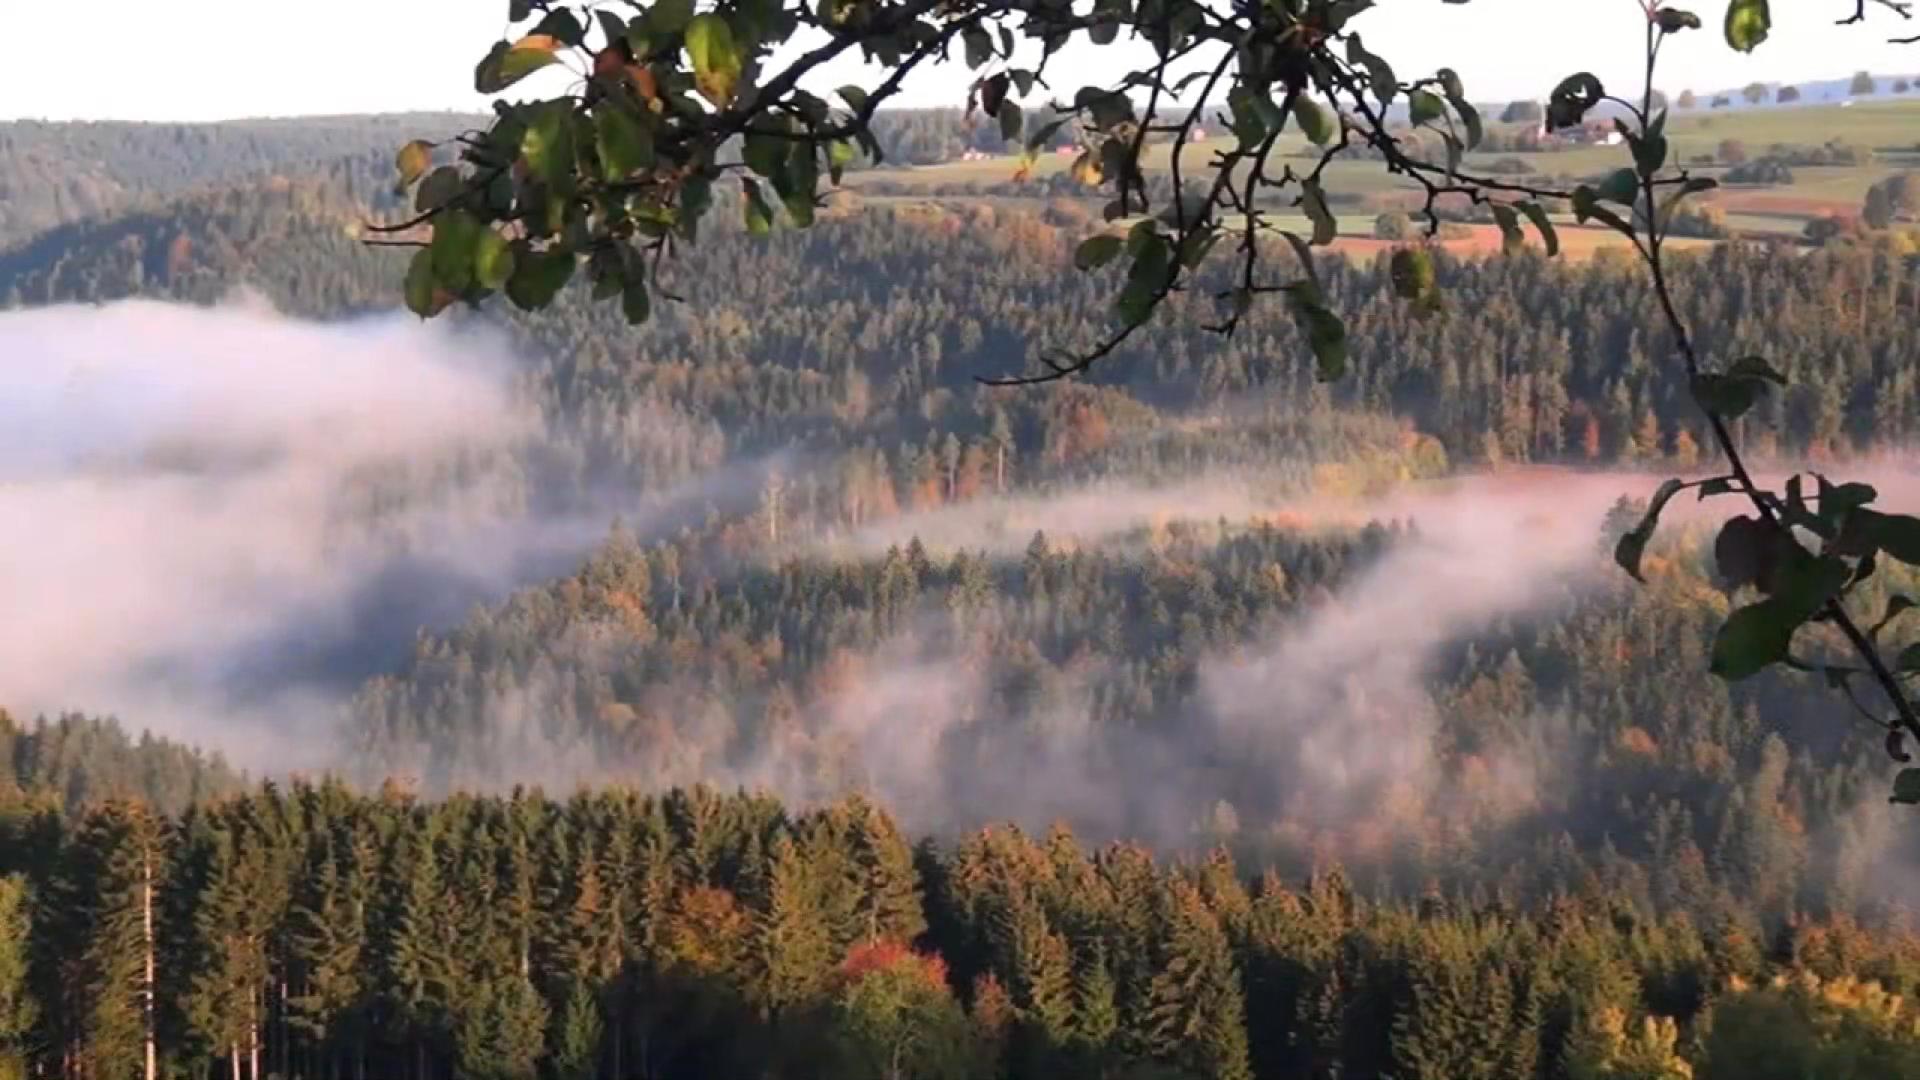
(195, 498)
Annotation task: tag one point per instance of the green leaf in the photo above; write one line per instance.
(840, 154)
(1037, 138)
(1909, 659)
(1753, 638)
(456, 237)
(1011, 120)
(993, 92)
(1736, 391)
(421, 288)
(1837, 499)
(1621, 186)
(696, 194)
(1633, 545)
(1470, 119)
(717, 60)
(625, 146)
(669, 16)
(1249, 125)
(1548, 234)
(855, 97)
(1569, 102)
(1424, 105)
(1743, 551)
(538, 277)
(1097, 251)
(1748, 22)
(523, 58)
(612, 27)
(1804, 583)
(978, 46)
(1906, 787)
(765, 153)
(1896, 534)
(1586, 205)
(1755, 367)
(506, 64)
(561, 25)
(1194, 249)
(1718, 485)
(1314, 202)
(1512, 240)
(548, 146)
(1152, 269)
(1723, 394)
(492, 260)
(1650, 153)
(413, 160)
(441, 187)
(1325, 332)
(1380, 77)
(1304, 252)
(1314, 121)
(1412, 273)
(797, 182)
(1674, 20)
(1693, 186)
(759, 214)
(635, 304)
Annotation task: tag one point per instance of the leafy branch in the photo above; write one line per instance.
(1798, 586)
(675, 104)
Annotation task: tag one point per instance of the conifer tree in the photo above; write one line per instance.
(501, 1030)
(19, 1012)
(795, 951)
(576, 1037)
(1197, 1015)
(111, 868)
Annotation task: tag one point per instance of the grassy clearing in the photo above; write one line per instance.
(1889, 126)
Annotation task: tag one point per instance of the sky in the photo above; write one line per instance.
(225, 59)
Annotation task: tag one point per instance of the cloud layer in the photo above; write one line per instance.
(191, 496)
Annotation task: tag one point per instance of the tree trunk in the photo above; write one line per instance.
(235, 1054)
(253, 1035)
(146, 919)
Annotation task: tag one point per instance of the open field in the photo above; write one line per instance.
(1888, 127)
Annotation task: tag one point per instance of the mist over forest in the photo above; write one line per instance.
(632, 696)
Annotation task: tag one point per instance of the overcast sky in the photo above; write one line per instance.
(219, 59)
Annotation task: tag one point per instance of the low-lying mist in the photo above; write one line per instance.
(221, 522)
(214, 516)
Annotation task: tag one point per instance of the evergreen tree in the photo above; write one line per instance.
(19, 1012)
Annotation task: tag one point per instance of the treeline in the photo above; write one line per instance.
(53, 173)
(306, 931)
(73, 761)
(861, 333)
(1147, 689)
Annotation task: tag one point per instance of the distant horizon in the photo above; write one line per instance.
(367, 58)
(921, 105)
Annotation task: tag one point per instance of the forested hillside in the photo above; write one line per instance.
(861, 332)
(1473, 808)
(309, 931)
(54, 173)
